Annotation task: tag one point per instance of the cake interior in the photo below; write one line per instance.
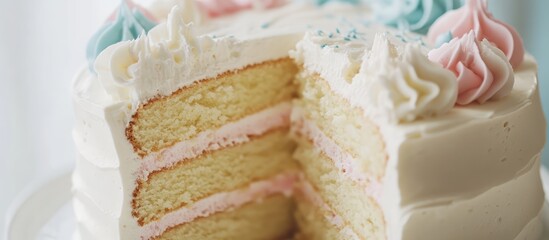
(265, 219)
(210, 104)
(228, 169)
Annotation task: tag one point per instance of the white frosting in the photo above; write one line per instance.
(466, 156)
(499, 213)
(414, 87)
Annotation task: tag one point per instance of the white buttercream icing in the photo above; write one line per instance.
(403, 86)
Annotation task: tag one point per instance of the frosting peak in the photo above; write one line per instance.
(475, 16)
(414, 15)
(414, 88)
(130, 22)
(483, 72)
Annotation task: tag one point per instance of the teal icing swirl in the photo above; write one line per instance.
(413, 15)
(128, 25)
(322, 2)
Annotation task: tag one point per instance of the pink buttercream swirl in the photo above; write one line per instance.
(475, 16)
(216, 8)
(483, 71)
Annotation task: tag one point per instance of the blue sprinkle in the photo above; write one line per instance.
(347, 39)
(265, 25)
(331, 35)
(323, 46)
(337, 30)
(320, 33)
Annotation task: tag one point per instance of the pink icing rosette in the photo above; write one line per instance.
(483, 71)
(216, 8)
(475, 16)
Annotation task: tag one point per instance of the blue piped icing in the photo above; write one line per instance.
(128, 25)
(322, 2)
(413, 15)
(443, 38)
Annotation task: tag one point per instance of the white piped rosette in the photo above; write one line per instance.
(404, 85)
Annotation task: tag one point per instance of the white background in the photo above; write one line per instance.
(42, 44)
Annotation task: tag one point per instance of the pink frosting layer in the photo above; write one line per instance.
(342, 160)
(475, 16)
(228, 135)
(216, 8)
(307, 190)
(280, 184)
(482, 71)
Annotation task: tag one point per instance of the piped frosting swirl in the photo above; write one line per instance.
(130, 22)
(413, 15)
(404, 86)
(483, 71)
(475, 16)
(173, 41)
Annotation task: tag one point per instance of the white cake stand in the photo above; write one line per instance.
(45, 212)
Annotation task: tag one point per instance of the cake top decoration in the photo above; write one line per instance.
(216, 8)
(483, 71)
(322, 2)
(413, 15)
(414, 88)
(475, 16)
(127, 24)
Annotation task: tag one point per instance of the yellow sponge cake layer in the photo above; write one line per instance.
(209, 104)
(219, 171)
(267, 219)
(345, 125)
(312, 223)
(347, 198)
